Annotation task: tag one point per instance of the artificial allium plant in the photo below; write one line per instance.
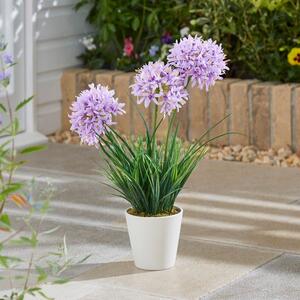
(146, 173)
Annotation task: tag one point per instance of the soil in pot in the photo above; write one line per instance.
(175, 210)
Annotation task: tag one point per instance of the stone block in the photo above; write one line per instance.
(70, 89)
(218, 109)
(281, 122)
(122, 82)
(261, 125)
(198, 113)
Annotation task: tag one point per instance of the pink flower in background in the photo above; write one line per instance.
(128, 47)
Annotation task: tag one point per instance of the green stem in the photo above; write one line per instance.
(168, 134)
(154, 129)
(137, 41)
(12, 154)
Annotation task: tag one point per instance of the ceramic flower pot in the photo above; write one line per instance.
(154, 240)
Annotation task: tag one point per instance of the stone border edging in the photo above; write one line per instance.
(267, 113)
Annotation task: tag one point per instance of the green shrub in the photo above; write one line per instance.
(257, 35)
(145, 21)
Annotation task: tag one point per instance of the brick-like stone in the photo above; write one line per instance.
(106, 78)
(239, 106)
(218, 104)
(70, 88)
(162, 131)
(281, 120)
(296, 120)
(182, 117)
(138, 126)
(122, 82)
(85, 78)
(266, 121)
(198, 113)
(261, 125)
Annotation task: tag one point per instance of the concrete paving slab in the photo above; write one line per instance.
(276, 280)
(91, 291)
(74, 159)
(200, 268)
(242, 221)
(236, 218)
(215, 177)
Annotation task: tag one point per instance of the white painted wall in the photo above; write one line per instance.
(58, 30)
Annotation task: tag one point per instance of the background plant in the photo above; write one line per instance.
(257, 35)
(26, 233)
(148, 23)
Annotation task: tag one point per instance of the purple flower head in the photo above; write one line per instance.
(167, 38)
(5, 75)
(92, 113)
(153, 50)
(7, 59)
(160, 84)
(201, 61)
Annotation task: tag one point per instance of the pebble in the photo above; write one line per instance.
(283, 157)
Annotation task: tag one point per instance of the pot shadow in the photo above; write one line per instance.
(102, 270)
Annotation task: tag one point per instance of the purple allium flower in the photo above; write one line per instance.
(201, 61)
(153, 50)
(92, 112)
(159, 83)
(7, 59)
(167, 38)
(5, 75)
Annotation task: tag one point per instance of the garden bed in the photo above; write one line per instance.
(283, 157)
(266, 113)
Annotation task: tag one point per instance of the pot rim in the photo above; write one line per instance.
(152, 217)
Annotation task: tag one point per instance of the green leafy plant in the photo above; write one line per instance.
(41, 268)
(27, 233)
(257, 35)
(150, 175)
(146, 22)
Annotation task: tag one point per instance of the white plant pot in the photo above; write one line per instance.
(154, 240)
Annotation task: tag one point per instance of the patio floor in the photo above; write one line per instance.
(240, 237)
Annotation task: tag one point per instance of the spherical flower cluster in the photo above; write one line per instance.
(201, 61)
(160, 84)
(92, 113)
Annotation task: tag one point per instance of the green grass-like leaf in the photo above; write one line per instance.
(147, 174)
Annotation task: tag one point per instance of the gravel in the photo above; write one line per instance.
(283, 157)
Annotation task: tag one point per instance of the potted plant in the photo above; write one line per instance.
(145, 172)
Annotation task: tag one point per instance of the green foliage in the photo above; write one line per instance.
(145, 21)
(28, 234)
(147, 174)
(256, 35)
